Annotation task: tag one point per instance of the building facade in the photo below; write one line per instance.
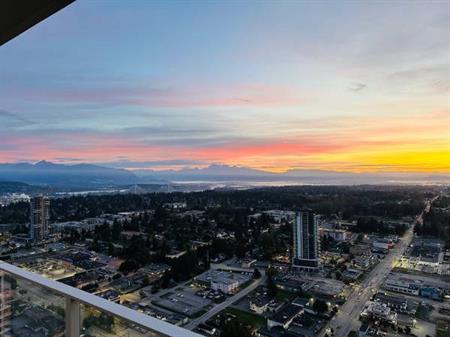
(306, 241)
(336, 234)
(39, 217)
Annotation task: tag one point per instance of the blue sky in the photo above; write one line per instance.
(268, 84)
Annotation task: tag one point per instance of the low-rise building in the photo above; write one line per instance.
(351, 274)
(284, 316)
(431, 292)
(280, 215)
(379, 312)
(382, 243)
(397, 303)
(247, 262)
(361, 249)
(110, 295)
(364, 262)
(259, 304)
(225, 281)
(402, 285)
(367, 331)
(335, 233)
(306, 304)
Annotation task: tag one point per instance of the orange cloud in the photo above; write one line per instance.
(413, 143)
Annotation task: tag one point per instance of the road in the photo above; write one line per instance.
(219, 307)
(347, 319)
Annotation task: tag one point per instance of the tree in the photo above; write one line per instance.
(271, 271)
(359, 238)
(111, 250)
(128, 266)
(116, 231)
(235, 329)
(165, 280)
(137, 249)
(256, 273)
(240, 249)
(271, 287)
(95, 245)
(145, 281)
(320, 306)
(325, 242)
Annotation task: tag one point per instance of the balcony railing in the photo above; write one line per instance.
(31, 305)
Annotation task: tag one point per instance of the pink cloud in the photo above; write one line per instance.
(225, 96)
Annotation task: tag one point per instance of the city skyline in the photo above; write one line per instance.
(342, 86)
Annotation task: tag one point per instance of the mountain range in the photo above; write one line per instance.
(48, 173)
(226, 173)
(89, 175)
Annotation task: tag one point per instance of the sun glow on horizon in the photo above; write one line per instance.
(367, 90)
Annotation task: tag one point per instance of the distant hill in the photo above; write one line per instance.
(210, 173)
(17, 187)
(47, 173)
(225, 173)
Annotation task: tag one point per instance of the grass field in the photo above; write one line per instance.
(423, 312)
(247, 317)
(285, 295)
(443, 329)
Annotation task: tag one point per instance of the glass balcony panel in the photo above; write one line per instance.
(33, 306)
(96, 323)
(27, 309)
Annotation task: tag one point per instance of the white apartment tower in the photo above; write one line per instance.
(306, 241)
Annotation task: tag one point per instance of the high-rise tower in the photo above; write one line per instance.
(39, 216)
(306, 241)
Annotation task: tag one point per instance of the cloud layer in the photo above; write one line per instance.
(358, 87)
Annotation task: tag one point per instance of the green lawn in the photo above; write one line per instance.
(285, 295)
(247, 317)
(352, 334)
(443, 330)
(423, 312)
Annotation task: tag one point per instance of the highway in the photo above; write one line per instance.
(347, 319)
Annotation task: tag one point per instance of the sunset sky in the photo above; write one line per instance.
(348, 86)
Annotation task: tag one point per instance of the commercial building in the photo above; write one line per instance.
(336, 234)
(225, 281)
(433, 293)
(361, 249)
(383, 243)
(367, 331)
(402, 285)
(397, 303)
(351, 274)
(306, 241)
(39, 216)
(425, 255)
(364, 262)
(259, 304)
(280, 215)
(379, 312)
(284, 316)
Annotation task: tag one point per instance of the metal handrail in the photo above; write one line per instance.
(147, 322)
